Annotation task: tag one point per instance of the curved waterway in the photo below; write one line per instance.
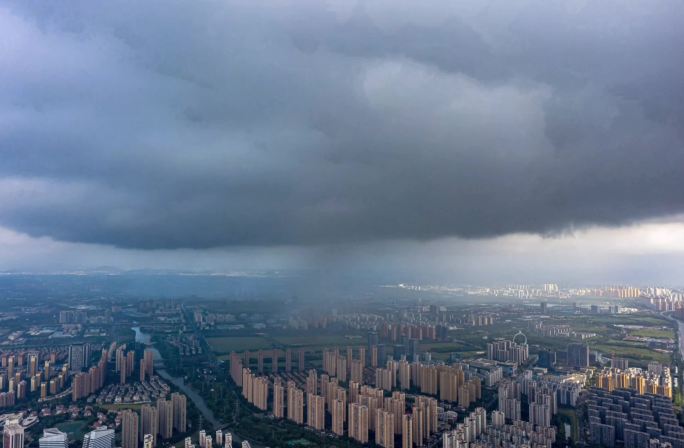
(179, 382)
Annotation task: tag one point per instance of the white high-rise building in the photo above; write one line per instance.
(53, 438)
(99, 438)
(13, 435)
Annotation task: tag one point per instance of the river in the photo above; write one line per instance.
(200, 404)
(144, 338)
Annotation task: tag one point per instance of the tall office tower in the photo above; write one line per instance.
(179, 412)
(301, 365)
(384, 428)
(129, 429)
(315, 411)
(295, 404)
(288, 360)
(149, 422)
(219, 438)
(47, 369)
(53, 438)
(358, 422)
(148, 441)
(578, 355)
(77, 357)
(312, 382)
(362, 355)
(338, 417)
(99, 438)
(202, 438)
(43, 391)
(165, 410)
(13, 435)
(406, 431)
(278, 400)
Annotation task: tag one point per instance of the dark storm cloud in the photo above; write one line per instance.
(179, 124)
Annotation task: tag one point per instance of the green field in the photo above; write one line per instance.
(658, 333)
(640, 354)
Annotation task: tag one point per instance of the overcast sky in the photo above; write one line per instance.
(464, 141)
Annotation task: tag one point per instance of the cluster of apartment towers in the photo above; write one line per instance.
(160, 420)
(358, 407)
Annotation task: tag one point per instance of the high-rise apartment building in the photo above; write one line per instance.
(384, 428)
(149, 422)
(295, 404)
(358, 422)
(129, 429)
(315, 411)
(13, 435)
(179, 402)
(338, 416)
(165, 410)
(278, 399)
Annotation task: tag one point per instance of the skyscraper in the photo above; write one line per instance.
(129, 429)
(13, 435)
(278, 400)
(53, 438)
(165, 410)
(149, 422)
(179, 411)
(78, 356)
(315, 411)
(578, 355)
(99, 438)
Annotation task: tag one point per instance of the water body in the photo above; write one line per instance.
(179, 382)
(145, 338)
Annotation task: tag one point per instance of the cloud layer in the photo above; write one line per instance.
(168, 125)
